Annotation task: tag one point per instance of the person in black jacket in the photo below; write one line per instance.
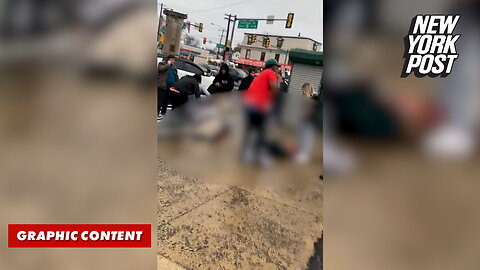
(167, 75)
(245, 84)
(223, 81)
(186, 86)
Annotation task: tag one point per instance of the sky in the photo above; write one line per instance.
(308, 19)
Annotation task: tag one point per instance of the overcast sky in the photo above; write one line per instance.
(308, 16)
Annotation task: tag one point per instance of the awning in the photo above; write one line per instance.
(257, 63)
(306, 57)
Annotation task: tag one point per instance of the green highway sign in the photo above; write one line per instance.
(252, 24)
(220, 46)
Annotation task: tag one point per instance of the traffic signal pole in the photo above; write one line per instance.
(221, 38)
(226, 37)
(233, 31)
(289, 21)
(159, 20)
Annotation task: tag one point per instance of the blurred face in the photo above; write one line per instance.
(224, 71)
(171, 61)
(252, 73)
(275, 68)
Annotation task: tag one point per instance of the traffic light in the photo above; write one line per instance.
(204, 40)
(200, 27)
(254, 38)
(289, 20)
(266, 42)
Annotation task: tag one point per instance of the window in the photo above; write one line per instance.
(247, 54)
(277, 57)
(262, 56)
(179, 64)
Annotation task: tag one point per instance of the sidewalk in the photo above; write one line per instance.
(203, 225)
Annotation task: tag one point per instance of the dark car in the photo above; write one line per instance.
(237, 74)
(210, 69)
(186, 67)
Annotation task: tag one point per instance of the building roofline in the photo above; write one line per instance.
(297, 37)
(174, 13)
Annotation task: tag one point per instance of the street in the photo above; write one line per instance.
(204, 225)
(239, 172)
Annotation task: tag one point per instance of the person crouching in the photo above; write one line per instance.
(183, 88)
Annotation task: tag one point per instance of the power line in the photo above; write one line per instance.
(219, 7)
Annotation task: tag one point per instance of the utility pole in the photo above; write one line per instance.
(233, 30)
(226, 37)
(221, 38)
(159, 21)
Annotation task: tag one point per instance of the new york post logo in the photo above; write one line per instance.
(430, 46)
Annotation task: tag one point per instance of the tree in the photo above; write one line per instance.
(191, 41)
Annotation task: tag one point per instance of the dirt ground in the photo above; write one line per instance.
(217, 213)
(206, 225)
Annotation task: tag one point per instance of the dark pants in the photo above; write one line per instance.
(255, 133)
(163, 98)
(178, 99)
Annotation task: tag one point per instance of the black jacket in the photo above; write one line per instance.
(245, 84)
(225, 80)
(188, 85)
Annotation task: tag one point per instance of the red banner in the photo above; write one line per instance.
(258, 63)
(79, 235)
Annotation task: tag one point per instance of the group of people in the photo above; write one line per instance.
(175, 91)
(260, 95)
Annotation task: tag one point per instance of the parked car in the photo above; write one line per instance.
(210, 69)
(186, 67)
(213, 68)
(237, 75)
(207, 69)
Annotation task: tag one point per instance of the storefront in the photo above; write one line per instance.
(246, 63)
(196, 55)
(307, 67)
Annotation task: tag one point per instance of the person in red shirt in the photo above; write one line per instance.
(260, 95)
(258, 101)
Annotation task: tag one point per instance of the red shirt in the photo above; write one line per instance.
(259, 95)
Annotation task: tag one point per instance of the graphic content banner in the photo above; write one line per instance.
(79, 235)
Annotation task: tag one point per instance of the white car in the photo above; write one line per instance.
(185, 67)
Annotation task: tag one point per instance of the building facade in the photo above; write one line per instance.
(197, 55)
(257, 48)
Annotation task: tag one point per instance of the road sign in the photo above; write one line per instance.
(270, 19)
(249, 24)
(220, 46)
